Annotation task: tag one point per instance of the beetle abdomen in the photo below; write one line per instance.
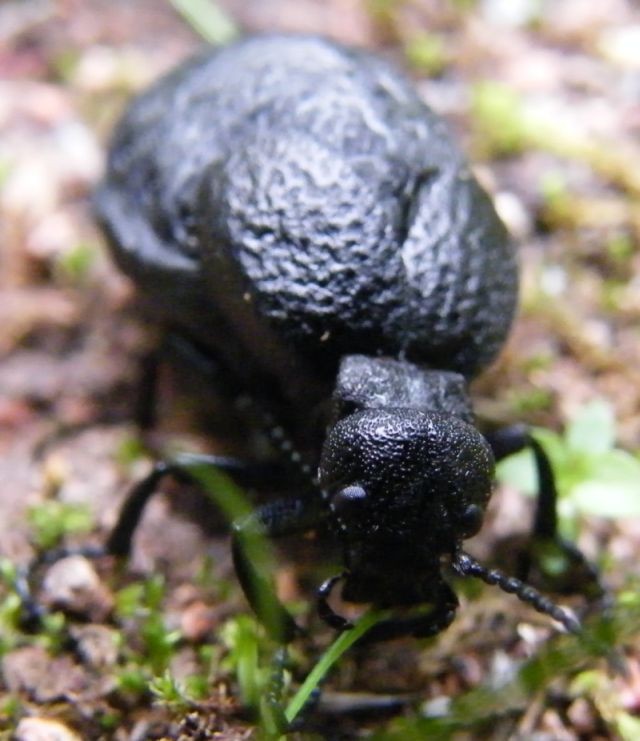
(301, 195)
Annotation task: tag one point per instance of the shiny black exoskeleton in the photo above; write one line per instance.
(292, 210)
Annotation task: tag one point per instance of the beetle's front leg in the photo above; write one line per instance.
(183, 467)
(276, 519)
(421, 625)
(578, 574)
(425, 625)
(273, 520)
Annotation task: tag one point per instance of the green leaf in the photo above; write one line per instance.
(613, 490)
(593, 430)
(554, 445)
(592, 476)
(628, 727)
(518, 471)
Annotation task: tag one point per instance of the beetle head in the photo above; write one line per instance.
(404, 486)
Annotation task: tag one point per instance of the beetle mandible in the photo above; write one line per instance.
(293, 211)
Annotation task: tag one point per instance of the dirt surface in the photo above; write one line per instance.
(545, 97)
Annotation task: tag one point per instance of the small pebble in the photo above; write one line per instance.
(43, 729)
(73, 584)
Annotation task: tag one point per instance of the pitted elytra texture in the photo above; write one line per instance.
(312, 181)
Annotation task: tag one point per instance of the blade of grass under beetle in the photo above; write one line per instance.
(231, 500)
(207, 19)
(342, 643)
(256, 546)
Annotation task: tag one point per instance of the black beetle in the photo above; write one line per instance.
(294, 212)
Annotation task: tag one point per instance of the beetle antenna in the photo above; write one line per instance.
(467, 565)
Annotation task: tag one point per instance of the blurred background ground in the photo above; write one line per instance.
(545, 98)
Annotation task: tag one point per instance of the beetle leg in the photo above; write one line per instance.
(145, 401)
(273, 520)
(182, 468)
(325, 611)
(421, 625)
(274, 721)
(513, 439)
(578, 574)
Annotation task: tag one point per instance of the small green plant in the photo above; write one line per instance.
(52, 520)
(73, 266)
(505, 124)
(593, 476)
(498, 114)
(159, 642)
(599, 688)
(528, 401)
(143, 602)
(10, 711)
(250, 659)
(246, 646)
(132, 680)
(168, 691)
(130, 451)
(427, 53)
(10, 607)
(53, 629)
(384, 12)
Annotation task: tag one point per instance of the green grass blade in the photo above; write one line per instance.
(207, 19)
(342, 643)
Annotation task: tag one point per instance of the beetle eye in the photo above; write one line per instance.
(471, 520)
(348, 501)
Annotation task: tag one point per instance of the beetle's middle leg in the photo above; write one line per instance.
(575, 572)
(276, 519)
(421, 625)
(438, 618)
(184, 468)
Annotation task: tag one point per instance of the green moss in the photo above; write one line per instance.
(620, 247)
(524, 402)
(498, 118)
(53, 520)
(427, 54)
